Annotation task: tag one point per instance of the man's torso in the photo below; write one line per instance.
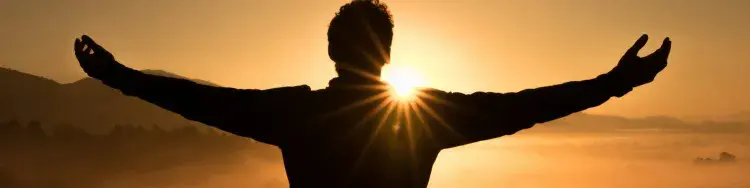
(359, 138)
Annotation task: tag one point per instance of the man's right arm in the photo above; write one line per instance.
(468, 118)
(484, 115)
(245, 112)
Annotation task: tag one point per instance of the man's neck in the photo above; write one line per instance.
(353, 82)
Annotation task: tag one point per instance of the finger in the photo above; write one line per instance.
(77, 45)
(663, 53)
(86, 39)
(658, 59)
(666, 47)
(97, 49)
(89, 50)
(90, 43)
(80, 51)
(633, 51)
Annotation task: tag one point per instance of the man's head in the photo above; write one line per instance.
(359, 38)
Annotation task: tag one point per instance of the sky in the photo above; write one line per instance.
(453, 45)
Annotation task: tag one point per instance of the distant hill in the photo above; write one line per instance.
(89, 104)
(169, 74)
(736, 117)
(86, 103)
(742, 116)
(582, 122)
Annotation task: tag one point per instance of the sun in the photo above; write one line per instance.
(403, 81)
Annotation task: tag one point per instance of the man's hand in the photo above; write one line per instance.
(634, 71)
(95, 60)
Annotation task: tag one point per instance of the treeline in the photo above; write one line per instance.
(64, 155)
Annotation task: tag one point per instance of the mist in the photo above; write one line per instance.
(190, 157)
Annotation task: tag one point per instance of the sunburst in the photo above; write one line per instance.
(402, 102)
(403, 82)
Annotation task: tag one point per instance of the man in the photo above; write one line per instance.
(353, 133)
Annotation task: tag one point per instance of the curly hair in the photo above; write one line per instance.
(364, 25)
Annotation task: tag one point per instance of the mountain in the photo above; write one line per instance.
(742, 116)
(582, 122)
(169, 74)
(736, 117)
(86, 103)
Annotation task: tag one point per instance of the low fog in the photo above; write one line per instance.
(192, 157)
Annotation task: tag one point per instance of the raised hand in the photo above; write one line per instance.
(95, 60)
(633, 70)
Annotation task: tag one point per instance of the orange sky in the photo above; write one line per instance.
(471, 45)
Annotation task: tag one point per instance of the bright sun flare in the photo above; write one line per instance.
(403, 80)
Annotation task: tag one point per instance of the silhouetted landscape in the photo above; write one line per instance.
(66, 135)
(198, 157)
(67, 156)
(27, 97)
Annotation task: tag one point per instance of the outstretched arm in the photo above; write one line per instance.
(228, 109)
(480, 116)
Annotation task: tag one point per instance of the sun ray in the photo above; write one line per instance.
(356, 104)
(372, 114)
(372, 60)
(410, 131)
(406, 109)
(360, 72)
(376, 40)
(382, 121)
(423, 94)
(436, 116)
(418, 113)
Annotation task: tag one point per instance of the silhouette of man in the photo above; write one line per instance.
(353, 133)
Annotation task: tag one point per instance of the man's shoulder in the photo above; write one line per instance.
(447, 97)
(287, 92)
(427, 89)
(292, 88)
(434, 91)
